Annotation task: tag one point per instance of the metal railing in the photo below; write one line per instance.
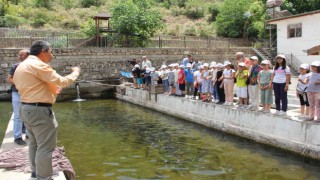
(16, 38)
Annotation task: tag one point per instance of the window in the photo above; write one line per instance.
(294, 30)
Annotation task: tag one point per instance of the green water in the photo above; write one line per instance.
(111, 139)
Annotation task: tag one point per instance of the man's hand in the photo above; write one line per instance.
(75, 69)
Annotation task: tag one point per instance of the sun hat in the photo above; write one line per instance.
(181, 66)
(213, 64)
(242, 64)
(163, 66)
(254, 58)
(226, 63)
(219, 65)
(265, 62)
(200, 67)
(176, 64)
(304, 66)
(171, 65)
(188, 65)
(315, 63)
(147, 70)
(205, 65)
(281, 56)
(137, 66)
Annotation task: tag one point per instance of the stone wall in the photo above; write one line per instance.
(286, 132)
(102, 63)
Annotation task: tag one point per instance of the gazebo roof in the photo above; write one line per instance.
(103, 16)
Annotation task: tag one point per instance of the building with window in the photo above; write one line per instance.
(298, 36)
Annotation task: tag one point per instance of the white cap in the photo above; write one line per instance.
(188, 65)
(147, 70)
(137, 66)
(315, 63)
(213, 64)
(226, 63)
(281, 56)
(171, 65)
(265, 62)
(205, 64)
(254, 58)
(181, 66)
(176, 64)
(242, 64)
(219, 65)
(163, 66)
(304, 66)
(152, 69)
(200, 67)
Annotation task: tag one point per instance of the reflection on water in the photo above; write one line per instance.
(110, 139)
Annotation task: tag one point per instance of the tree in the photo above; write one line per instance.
(241, 18)
(136, 18)
(43, 3)
(301, 6)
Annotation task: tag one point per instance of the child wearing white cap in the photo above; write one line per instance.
(176, 74)
(242, 89)
(264, 79)
(301, 89)
(313, 91)
(206, 76)
(171, 79)
(228, 82)
(164, 77)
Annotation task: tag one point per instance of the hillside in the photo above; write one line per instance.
(73, 15)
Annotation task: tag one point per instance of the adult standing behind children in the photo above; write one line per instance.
(253, 87)
(17, 122)
(38, 86)
(145, 63)
(280, 82)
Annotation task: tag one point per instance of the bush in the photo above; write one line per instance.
(12, 21)
(89, 3)
(194, 12)
(40, 18)
(214, 11)
(190, 31)
(176, 11)
(70, 24)
(88, 28)
(194, 9)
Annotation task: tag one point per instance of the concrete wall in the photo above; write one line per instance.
(101, 63)
(310, 36)
(283, 132)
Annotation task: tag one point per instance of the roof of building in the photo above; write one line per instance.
(313, 50)
(105, 16)
(293, 16)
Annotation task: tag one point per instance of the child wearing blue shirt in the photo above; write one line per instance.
(189, 79)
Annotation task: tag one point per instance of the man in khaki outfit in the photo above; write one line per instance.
(38, 86)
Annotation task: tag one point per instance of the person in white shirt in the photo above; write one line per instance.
(228, 82)
(145, 63)
(198, 82)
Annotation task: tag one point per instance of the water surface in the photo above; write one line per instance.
(111, 139)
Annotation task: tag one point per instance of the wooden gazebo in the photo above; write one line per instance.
(97, 18)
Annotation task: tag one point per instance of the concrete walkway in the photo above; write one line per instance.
(8, 144)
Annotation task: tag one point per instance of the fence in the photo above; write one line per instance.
(15, 38)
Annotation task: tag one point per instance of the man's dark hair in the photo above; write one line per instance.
(38, 46)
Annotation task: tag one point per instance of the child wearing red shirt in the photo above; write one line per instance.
(182, 80)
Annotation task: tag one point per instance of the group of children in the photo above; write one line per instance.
(215, 82)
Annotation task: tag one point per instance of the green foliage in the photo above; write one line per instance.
(194, 9)
(12, 21)
(241, 18)
(88, 28)
(301, 6)
(43, 3)
(136, 18)
(4, 5)
(40, 18)
(214, 10)
(89, 3)
(68, 4)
